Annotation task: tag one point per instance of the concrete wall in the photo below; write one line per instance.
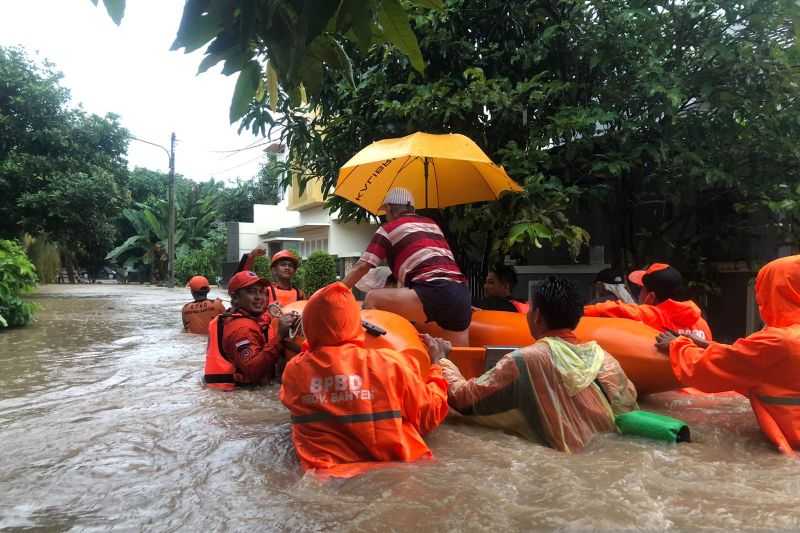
(348, 239)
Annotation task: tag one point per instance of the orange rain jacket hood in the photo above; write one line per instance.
(765, 366)
(353, 408)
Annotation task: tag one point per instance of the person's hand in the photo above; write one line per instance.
(286, 322)
(663, 340)
(259, 250)
(437, 348)
(699, 341)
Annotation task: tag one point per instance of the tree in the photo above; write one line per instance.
(674, 120)
(273, 44)
(62, 171)
(147, 247)
(17, 278)
(236, 203)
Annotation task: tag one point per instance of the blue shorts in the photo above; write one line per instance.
(445, 302)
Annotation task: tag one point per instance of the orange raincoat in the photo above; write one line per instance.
(681, 317)
(765, 366)
(352, 407)
(527, 394)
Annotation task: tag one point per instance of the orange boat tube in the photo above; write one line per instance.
(631, 343)
(400, 334)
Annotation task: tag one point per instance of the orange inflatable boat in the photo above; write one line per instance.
(631, 342)
(400, 333)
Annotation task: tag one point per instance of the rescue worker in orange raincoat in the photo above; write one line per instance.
(765, 366)
(353, 408)
(557, 391)
(283, 265)
(197, 314)
(240, 351)
(659, 306)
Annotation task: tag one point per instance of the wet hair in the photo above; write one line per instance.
(505, 274)
(559, 302)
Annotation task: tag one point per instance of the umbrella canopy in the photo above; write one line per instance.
(439, 170)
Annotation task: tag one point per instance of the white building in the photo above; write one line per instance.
(302, 223)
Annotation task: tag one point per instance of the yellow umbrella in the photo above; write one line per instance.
(439, 170)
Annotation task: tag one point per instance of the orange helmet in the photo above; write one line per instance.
(198, 283)
(285, 254)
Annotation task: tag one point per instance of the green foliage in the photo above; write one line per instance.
(115, 8)
(262, 268)
(45, 257)
(236, 203)
(206, 260)
(271, 43)
(17, 278)
(671, 120)
(318, 270)
(62, 171)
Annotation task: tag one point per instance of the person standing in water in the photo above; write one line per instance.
(432, 287)
(765, 366)
(197, 314)
(240, 350)
(557, 391)
(283, 266)
(353, 408)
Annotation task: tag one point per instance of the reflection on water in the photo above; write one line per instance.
(105, 424)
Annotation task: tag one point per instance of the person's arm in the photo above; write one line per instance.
(358, 271)
(254, 360)
(424, 398)
(185, 318)
(247, 260)
(464, 395)
(723, 367)
(619, 390)
(377, 251)
(643, 313)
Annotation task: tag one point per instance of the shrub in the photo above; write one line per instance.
(318, 270)
(205, 261)
(45, 257)
(262, 268)
(17, 277)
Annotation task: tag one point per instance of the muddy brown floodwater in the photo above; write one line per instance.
(105, 424)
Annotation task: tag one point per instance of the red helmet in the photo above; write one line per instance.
(285, 254)
(243, 279)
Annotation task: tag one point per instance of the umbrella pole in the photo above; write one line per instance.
(426, 182)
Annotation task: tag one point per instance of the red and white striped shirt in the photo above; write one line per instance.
(415, 249)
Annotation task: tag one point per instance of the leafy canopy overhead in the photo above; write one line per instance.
(274, 43)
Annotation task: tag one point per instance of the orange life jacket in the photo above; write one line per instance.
(283, 296)
(219, 370)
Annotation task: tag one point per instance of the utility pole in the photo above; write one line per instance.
(171, 236)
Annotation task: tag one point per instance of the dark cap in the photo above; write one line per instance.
(612, 277)
(665, 281)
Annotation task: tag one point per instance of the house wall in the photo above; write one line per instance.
(348, 239)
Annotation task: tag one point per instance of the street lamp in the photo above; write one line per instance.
(171, 194)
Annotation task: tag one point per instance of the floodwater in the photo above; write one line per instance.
(105, 424)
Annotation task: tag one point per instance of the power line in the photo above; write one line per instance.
(236, 166)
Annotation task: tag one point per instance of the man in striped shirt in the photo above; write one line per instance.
(433, 287)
